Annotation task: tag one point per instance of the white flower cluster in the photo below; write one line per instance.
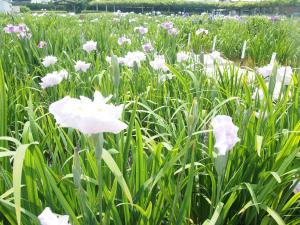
(130, 59)
(284, 76)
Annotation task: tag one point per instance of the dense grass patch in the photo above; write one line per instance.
(163, 168)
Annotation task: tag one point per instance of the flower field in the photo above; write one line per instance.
(128, 119)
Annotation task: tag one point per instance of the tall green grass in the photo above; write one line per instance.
(166, 155)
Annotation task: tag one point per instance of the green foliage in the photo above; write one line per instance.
(24, 9)
(162, 169)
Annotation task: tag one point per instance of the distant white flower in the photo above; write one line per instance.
(132, 20)
(47, 217)
(276, 91)
(260, 114)
(159, 63)
(134, 57)
(297, 187)
(225, 133)
(53, 79)
(90, 46)
(201, 31)
(89, 117)
(63, 73)
(212, 58)
(182, 56)
(94, 20)
(123, 40)
(164, 77)
(120, 60)
(173, 31)
(141, 29)
(82, 66)
(265, 71)
(49, 60)
(284, 74)
(215, 55)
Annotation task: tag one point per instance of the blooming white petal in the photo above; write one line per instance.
(173, 31)
(276, 91)
(63, 74)
(47, 217)
(89, 117)
(201, 31)
(284, 74)
(132, 58)
(51, 79)
(159, 63)
(82, 66)
(123, 40)
(49, 60)
(164, 77)
(265, 71)
(212, 58)
(90, 46)
(225, 133)
(182, 56)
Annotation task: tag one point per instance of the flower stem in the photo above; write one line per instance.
(98, 143)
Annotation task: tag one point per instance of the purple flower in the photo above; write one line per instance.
(21, 30)
(9, 29)
(142, 30)
(167, 25)
(274, 18)
(42, 44)
(173, 31)
(147, 47)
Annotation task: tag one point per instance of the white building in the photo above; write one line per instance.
(5, 6)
